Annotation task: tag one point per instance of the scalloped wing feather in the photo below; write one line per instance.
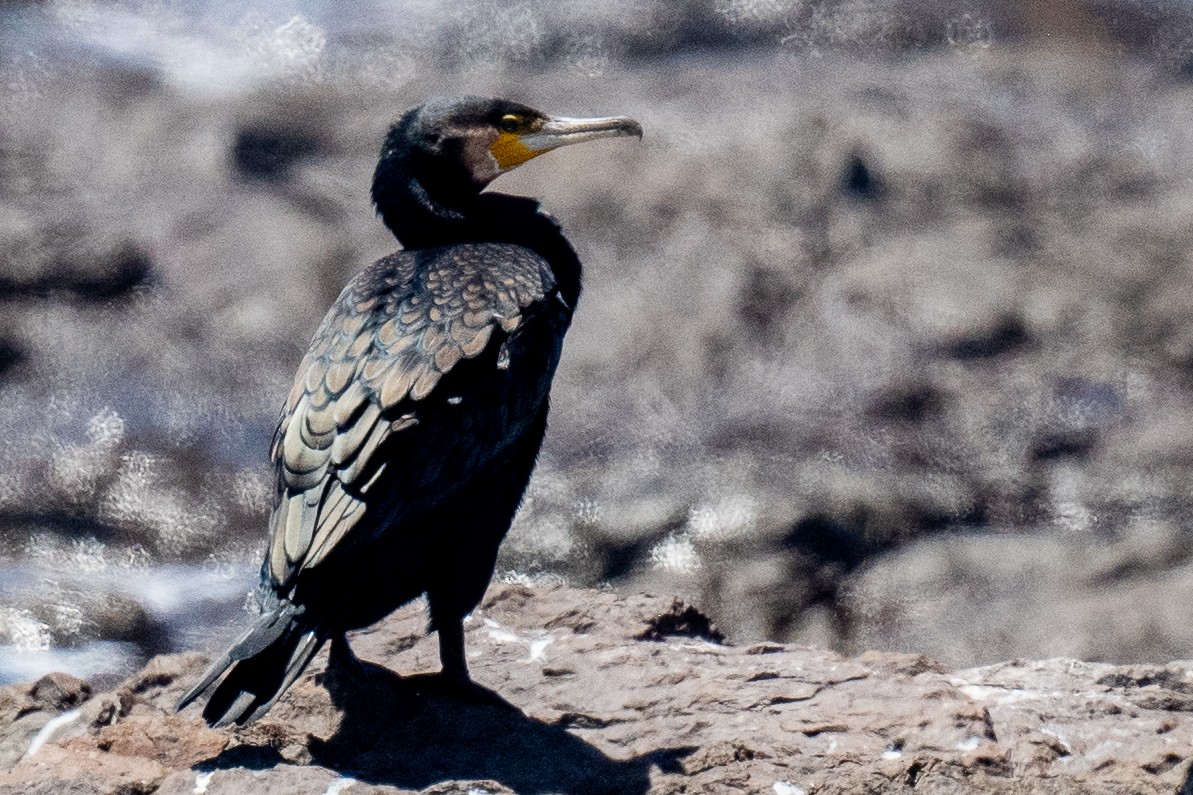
(395, 330)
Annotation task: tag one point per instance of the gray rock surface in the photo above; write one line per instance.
(588, 702)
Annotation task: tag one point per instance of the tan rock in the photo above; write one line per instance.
(55, 769)
(591, 708)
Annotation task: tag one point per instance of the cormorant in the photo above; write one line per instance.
(416, 417)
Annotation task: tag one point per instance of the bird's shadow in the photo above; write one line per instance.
(408, 732)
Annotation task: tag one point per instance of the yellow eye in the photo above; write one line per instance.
(510, 122)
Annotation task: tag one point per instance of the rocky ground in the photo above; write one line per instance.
(886, 342)
(600, 693)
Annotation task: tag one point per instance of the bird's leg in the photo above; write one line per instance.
(342, 678)
(340, 654)
(451, 653)
(454, 679)
(343, 667)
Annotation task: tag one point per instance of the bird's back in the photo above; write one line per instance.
(428, 366)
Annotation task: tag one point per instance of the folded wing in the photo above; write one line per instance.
(381, 351)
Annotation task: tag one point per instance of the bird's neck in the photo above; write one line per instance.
(421, 220)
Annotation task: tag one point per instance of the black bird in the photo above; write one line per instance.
(416, 417)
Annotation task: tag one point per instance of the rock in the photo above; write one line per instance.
(681, 620)
(56, 770)
(925, 385)
(59, 691)
(585, 704)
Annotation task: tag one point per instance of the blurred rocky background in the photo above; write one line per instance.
(886, 341)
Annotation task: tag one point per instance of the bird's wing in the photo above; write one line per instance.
(397, 328)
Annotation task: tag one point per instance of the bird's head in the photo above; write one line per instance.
(453, 148)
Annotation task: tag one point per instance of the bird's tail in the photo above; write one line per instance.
(261, 666)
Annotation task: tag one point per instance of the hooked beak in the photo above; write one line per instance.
(560, 131)
(514, 149)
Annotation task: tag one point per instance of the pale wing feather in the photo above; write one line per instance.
(396, 329)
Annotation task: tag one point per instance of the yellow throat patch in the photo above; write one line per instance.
(509, 151)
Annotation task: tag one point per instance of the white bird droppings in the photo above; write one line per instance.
(47, 731)
(500, 635)
(539, 645)
(504, 636)
(977, 692)
(787, 788)
(339, 785)
(201, 782)
(969, 744)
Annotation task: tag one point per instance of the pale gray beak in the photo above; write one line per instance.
(561, 131)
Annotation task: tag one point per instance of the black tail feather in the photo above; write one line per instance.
(260, 666)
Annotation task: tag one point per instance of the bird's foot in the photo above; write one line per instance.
(465, 690)
(344, 669)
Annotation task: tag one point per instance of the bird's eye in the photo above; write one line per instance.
(510, 122)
